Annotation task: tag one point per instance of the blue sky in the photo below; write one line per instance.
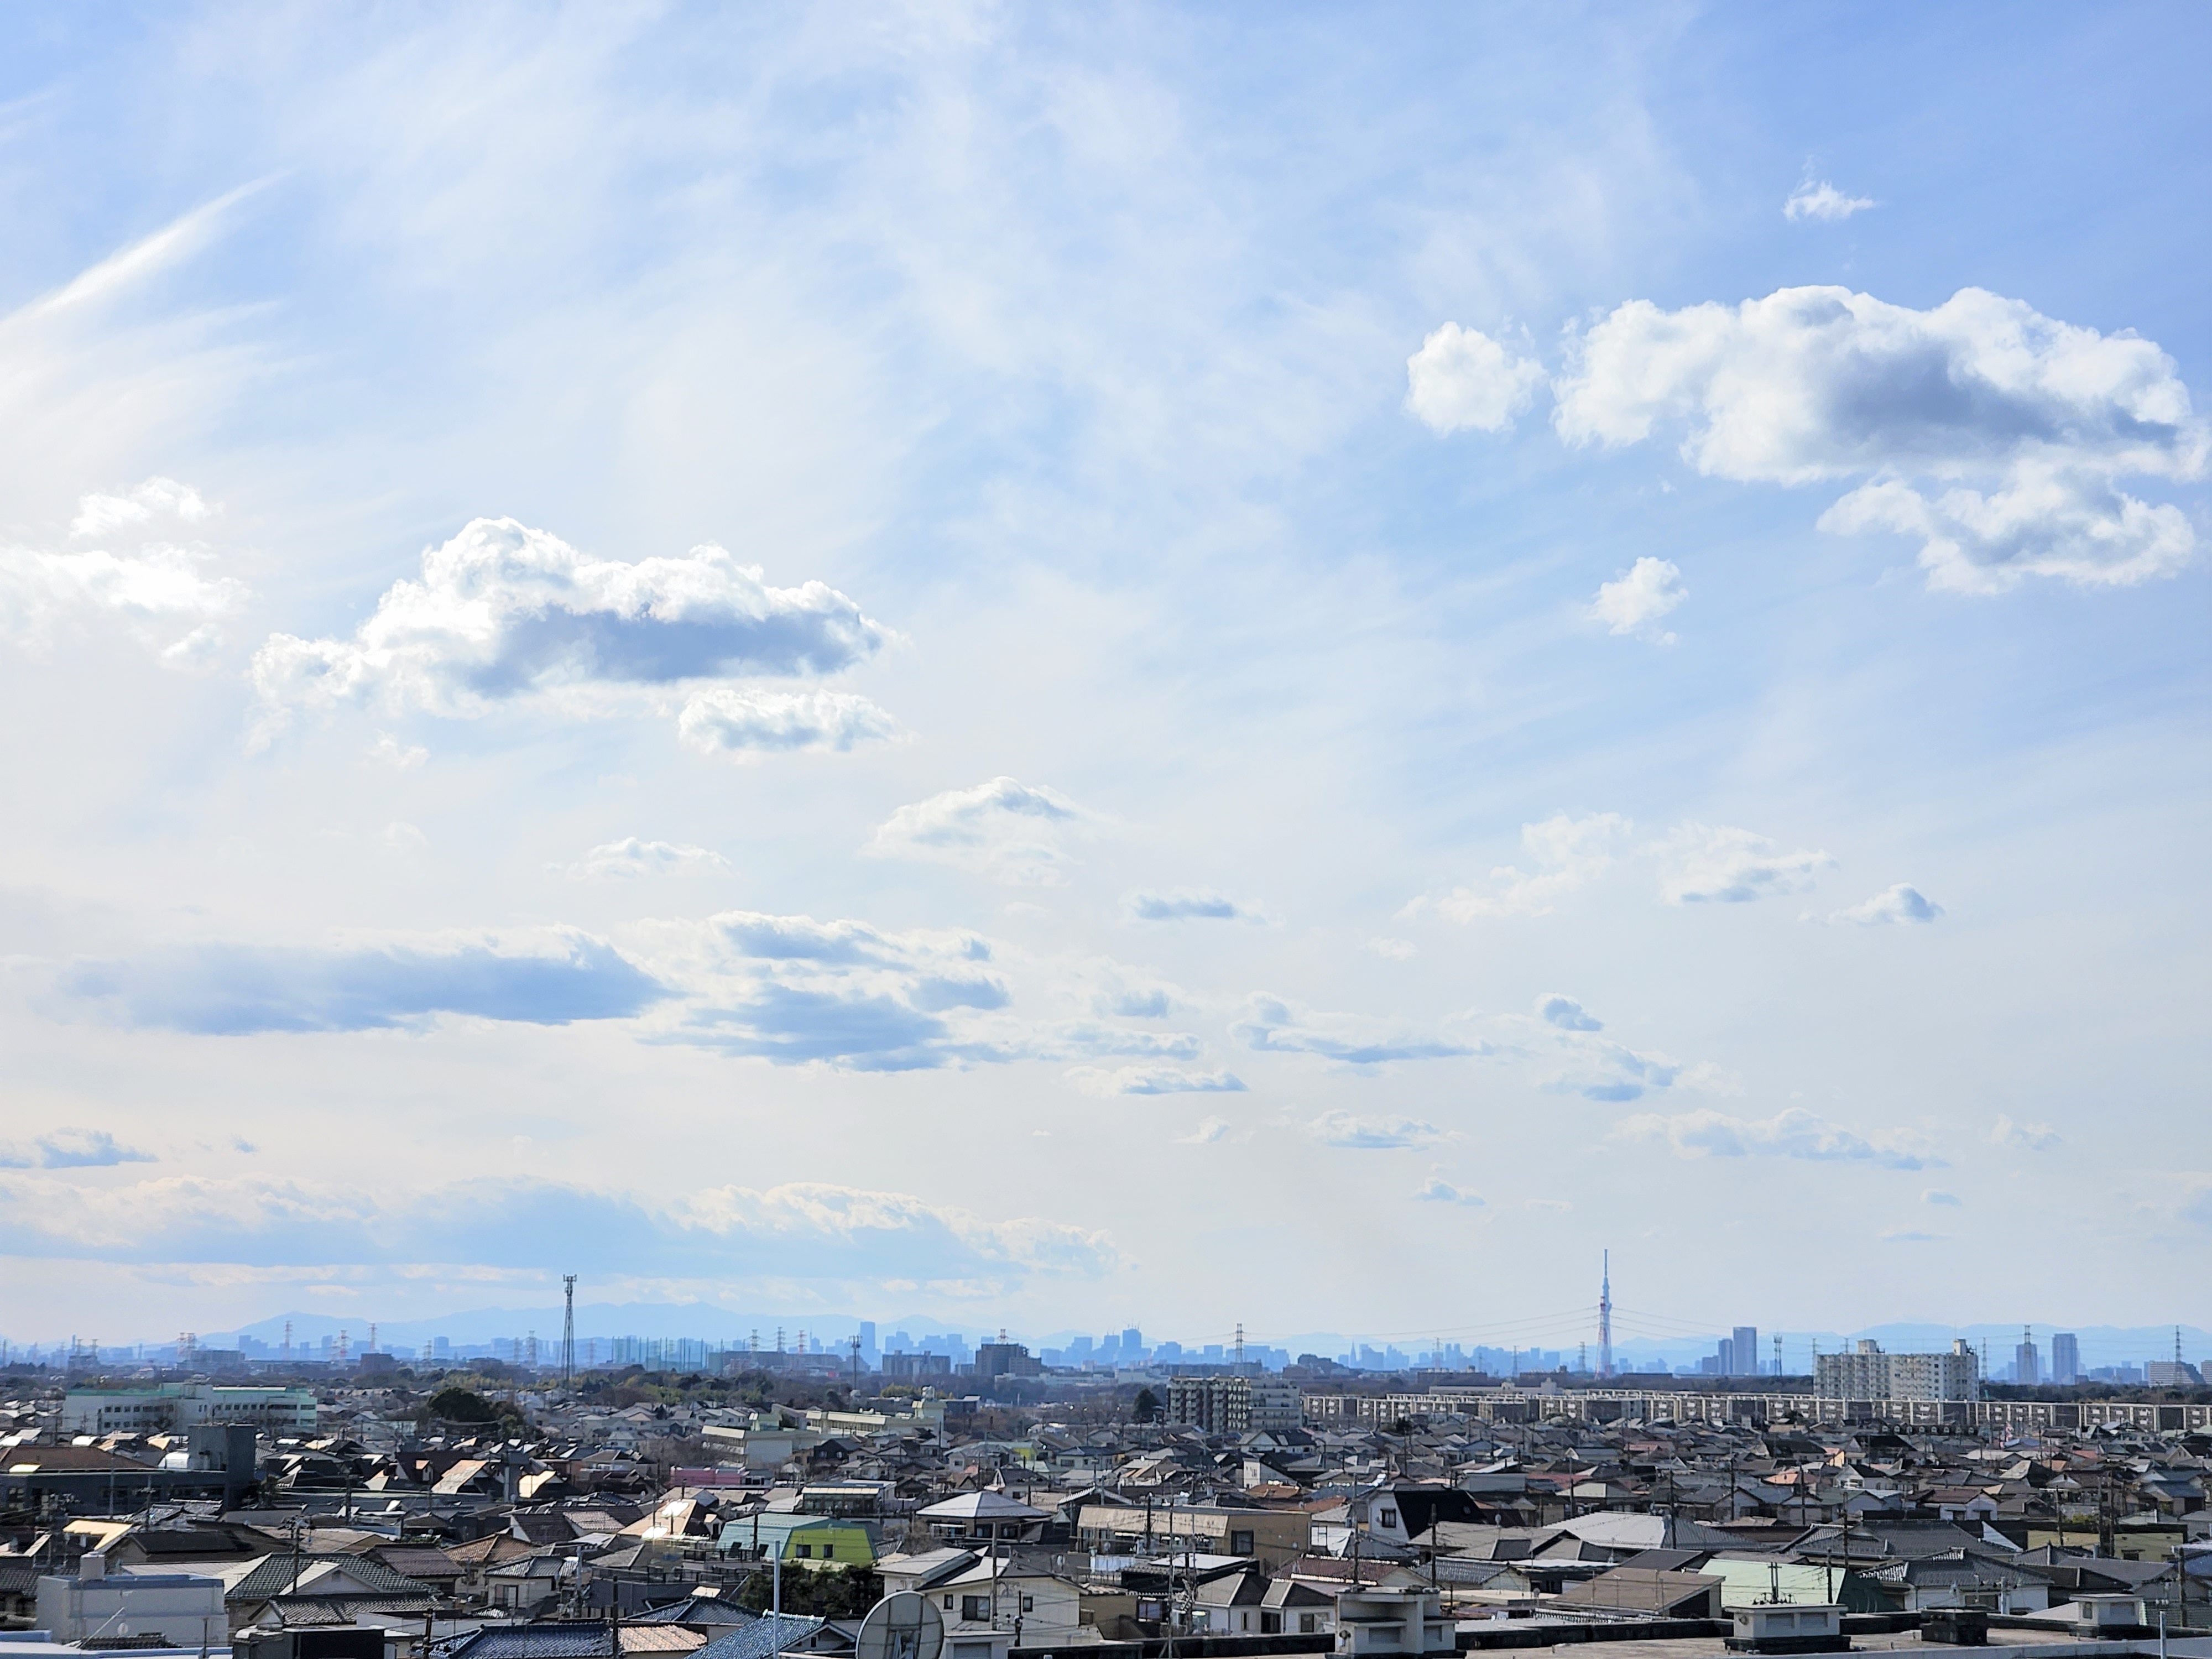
(1104, 665)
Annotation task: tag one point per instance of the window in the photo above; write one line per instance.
(1388, 1518)
(1270, 1624)
(1309, 1623)
(1240, 1543)
(1029, 1604)
(805, 1550)
(974, 1608)
(948, 1604)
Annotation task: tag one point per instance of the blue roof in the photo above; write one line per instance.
(560, 1641)
(770, 1634)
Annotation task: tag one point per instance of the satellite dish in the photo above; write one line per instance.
(903, 1626)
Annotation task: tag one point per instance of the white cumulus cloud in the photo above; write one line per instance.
(71, 1149)
(2044, 521)
(150, 588)
(1271, 1025)
(1792, 1133)
(1462, 378)
(1184, 904)
(1634, 604)
(742, 721)
(1704, 864)
(1900, 904)
(100, 515)
(2027, 1137)
(1566, 1013)
(502, 611)
(1011, 831)
(1153, 1080)
(1823, 201)
(1436, 1190)
(388, 750)
(2026, 423)
(1367, 1134)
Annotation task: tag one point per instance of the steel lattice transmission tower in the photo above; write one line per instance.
(568, 1330)
(1605, 1316)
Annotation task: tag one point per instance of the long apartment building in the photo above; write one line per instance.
(1868, 1373)
(169, 1407)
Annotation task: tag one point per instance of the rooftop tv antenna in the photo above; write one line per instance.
(903, 1625)
(568, 1330)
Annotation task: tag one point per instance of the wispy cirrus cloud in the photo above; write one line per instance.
(1791, 1133)
(1567, 854)
(632, 856)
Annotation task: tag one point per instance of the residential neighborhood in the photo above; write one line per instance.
(495, 1513)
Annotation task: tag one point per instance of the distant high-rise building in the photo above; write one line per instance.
(1743, 1352)
(2027, 1363)
(1132, 1343)
(2065, 1357)
(868, 1340)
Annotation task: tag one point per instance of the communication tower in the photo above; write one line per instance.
(1605, 1315)
(568, 1330)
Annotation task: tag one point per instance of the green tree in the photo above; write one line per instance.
(827, 1592)
(457, 1405)
(1147, 1406)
